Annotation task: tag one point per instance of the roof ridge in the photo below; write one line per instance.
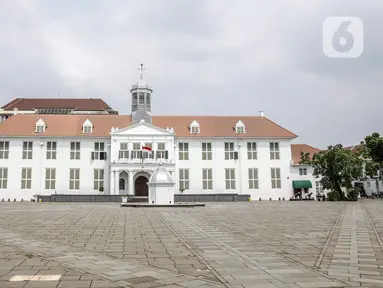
(247, 116)
(280, 126)
(13, 102)
(294, 144)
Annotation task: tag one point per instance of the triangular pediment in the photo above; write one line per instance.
(40, 122)
(141, 128)
(87, 123)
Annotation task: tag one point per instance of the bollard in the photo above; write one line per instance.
(283, 198)
(260, 199)
(249, 199)
(40, 200)
(9, 200)
(2, 200)
(14, 199)
(22, 200)
(279, 198)
(270, 198)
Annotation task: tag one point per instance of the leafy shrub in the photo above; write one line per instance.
(353, 193)
(333, 196)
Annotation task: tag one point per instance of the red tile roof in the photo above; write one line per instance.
(296, 150)
(90, 104)
(354, 148)
(210, 126)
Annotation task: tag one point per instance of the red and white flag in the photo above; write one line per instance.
(147, 148)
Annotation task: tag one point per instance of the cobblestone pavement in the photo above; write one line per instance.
(258, 244)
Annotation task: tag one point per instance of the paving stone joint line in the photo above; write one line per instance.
(252, 242)
(216, 273)
(239, 254)
(29, 244)
(324, 249)
(373, 226)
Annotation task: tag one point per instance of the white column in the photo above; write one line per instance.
(131, 184)
(116, 183)
(174, 151)
(111, 182)
(240, 168)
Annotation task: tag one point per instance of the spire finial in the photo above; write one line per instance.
(141, 69)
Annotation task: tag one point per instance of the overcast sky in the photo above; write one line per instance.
(203, 57)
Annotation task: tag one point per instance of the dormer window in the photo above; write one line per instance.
(40, 126)
(194, 127)
(240, 127)
(87, 127)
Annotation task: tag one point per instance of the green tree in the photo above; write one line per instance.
(374, 151)
(337, 166)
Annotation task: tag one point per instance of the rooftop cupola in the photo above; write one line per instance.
(141, 99)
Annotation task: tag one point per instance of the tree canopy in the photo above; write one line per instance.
(337, 166)
(374, 151)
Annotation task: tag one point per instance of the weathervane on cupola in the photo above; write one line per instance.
(141, 99)
(142, 69)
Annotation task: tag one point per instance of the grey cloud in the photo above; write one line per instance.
(202, 57)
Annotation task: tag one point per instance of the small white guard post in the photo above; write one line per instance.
(161, 188)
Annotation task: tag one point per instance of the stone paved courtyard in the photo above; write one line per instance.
(259, 244)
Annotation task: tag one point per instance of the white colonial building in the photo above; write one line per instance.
(92, 154)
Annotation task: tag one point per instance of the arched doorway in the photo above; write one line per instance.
(140, 186)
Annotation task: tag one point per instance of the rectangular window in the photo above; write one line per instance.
(253, 178)
(141, 98)
(183, 151)
(207, 179)
(74, 179)
(161, 153)
(184, 179)
(26, 178)
(75, 150)
(229, 150)
(302, 171)
(98, 179)
(51, 150)
(40, 128)
(87, 129)
(124, 151)
(230, 178)
(194, 129)
(50, 178)
(319, 187)
(3, 178)
(275, 178)
(136, 152)
(99, 153)
(4, 149)
(206, 151)
(240, 129)
(99, 146)
(27, 150)
(146, 153)
(274, 150)
(252, 150)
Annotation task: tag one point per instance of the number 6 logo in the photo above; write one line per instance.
(343, 37)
